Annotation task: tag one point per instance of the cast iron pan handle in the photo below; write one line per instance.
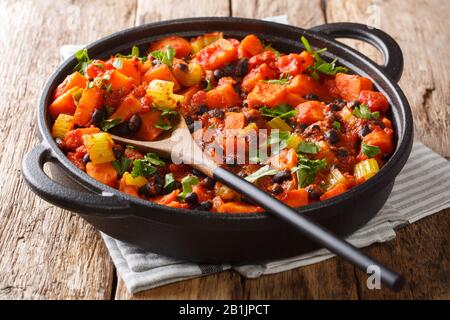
(62, 196)
(392, 54)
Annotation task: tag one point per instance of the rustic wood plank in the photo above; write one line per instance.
(421, 250)
(46, 252)
(301, 13)
(226, 285)
(153, 10)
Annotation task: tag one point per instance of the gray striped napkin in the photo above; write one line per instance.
(421, 189)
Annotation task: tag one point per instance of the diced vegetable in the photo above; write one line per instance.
(310, 112)
(285, 160)
(161, 72)
(252, 44)
(187, 74)
(138, 181)
(129, 106)
(238, 207)
(293, 141)
(148, 130)
(280, 124)
(162, 94)
(303, 85)
(376, 101)
(366, 169)
(333, 192)
(251, 79)
(131, 67)
(295, 198)
(234, 120)
(216, 55)
(99, 147)
(200, 42)
(91, 99)
(222, 96)
(63, 104)
(266, 94)
(75, 79)
(63, 124)
(103, 172)
(381, 139)
(119, 81)
(334, 177)
(350, 86)
(180, 45)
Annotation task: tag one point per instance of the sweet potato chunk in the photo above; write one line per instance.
(103, 172)
(350, 86)
(266, 94)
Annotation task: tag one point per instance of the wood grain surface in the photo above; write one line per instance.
(49, 253)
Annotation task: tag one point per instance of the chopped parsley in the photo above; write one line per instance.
(165, 56)
(282, 111)
(109, 124)
(262, 172)
(169, 182)
(363, 112)
(370, 151)
(336, 125)
(121, 166)
(83, 61)
(187, 183)
(307, 147)
(307, 170)
(320, 64)
(282, 80)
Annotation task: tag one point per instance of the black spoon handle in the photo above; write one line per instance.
(309, 228)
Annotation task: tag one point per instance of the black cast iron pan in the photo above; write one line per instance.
(226, 238)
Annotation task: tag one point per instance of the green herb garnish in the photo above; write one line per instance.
(83, 61)
(363, 112)
(307, 147)
(208, 85)
(320, 64)
(166, 56)
(336, 125)
(163, 125)
(262, 172)
(370, 151)
(145, 167)
(307, 170)
(282, 111)
(278, 138)
(187, 183)
(121, 166)
(282, 80)
(109, 124)
(154, 159)
(169, 182)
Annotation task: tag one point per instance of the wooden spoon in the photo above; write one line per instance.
(190, 153)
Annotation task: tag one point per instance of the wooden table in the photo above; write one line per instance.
(49, 253)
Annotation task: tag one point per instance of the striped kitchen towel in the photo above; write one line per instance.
(421, 189)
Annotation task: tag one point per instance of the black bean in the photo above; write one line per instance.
(118, 152)
(277, 189)
(203, 84)
(313, 192)
(335, 107)
(341, 152)
(191, 127)
(134, 124)
(197, 173)
(332, 136)
(312, 96)
(217, 113)
(60, 143)
(86, 158)
(98, 116)
(205, 206)
(228, 70)
(189, 120)
(191, 199)
(242, 67)
(121, 129)
(218, 74)
(210, 183)
(151, 189)
(365, 131)
(182, 66)
(203, 109)
(353, 104)
(315, 127)
(282, 176)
